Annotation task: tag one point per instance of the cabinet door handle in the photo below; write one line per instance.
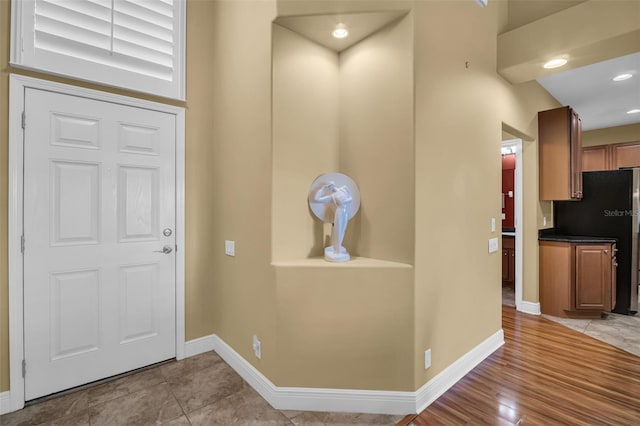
(606, 251)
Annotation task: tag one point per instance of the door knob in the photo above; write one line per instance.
(167, 232)
(165, 250)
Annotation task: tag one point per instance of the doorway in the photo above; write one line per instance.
(96, 263)
(512, 243)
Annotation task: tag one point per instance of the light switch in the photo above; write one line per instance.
(493, 245)
(493, 224)
(230, 248)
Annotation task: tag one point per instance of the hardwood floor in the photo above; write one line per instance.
(545, 374)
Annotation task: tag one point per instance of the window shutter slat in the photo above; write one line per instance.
(143, 26)
(91, 19)
(159, 7)
(63, 31)
(140, 66)
(148, 16)
(137, 51)
(143, 40)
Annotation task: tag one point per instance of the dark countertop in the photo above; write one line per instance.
(576, 239)
(551, 235)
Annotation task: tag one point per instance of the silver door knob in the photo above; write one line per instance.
(165, 250)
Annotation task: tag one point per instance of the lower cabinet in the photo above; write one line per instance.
(577, 279)
(508, 260)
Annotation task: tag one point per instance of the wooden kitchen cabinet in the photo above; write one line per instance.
(508, 260)
(625, 155)
(593, 277)
(577, 280)
(560, 154)
(596, 158)
(611, 157)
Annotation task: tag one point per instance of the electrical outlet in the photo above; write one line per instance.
(427, 359)
(257, 347)
(230, 248)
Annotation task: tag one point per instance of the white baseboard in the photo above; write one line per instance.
(435, 387)
(5, 402)
(532, 308)
(199, 345)
(351, 400)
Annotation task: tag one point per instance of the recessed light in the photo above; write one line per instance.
(340, 31)
(633, 111)
(622, 77)
(555, 63)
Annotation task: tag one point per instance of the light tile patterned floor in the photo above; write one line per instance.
(621, 331)
(201, 390)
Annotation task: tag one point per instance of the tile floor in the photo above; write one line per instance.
(621, 331)
(508, 296)
(201, 390)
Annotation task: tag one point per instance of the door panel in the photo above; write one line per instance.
(99, 187)
(75, 331)
(75, 203)
(138, 204)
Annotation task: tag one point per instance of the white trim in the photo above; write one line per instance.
(351, 400)
(532, 308)
(5, 402)
(435, 387)
(519, 220)
(17, 86)
(16, 184)
(200, 345)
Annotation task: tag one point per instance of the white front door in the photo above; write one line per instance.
(99, 207)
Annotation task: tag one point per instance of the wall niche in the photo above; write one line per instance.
(344, 105)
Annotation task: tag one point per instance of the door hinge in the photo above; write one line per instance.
(176, 248)
(22, 244)
(24, 120)
(24, 368)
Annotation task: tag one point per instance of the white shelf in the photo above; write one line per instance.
(355, 262)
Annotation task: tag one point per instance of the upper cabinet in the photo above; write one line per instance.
(560, 154)
(611, 157)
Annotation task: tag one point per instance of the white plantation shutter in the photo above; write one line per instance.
(134, 44)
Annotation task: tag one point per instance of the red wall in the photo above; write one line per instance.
(508, 184)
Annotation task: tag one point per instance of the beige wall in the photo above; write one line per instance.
(376, 140)
(610, 135)
(522, 12)
(243, 287)
(345, 326)
(459, 112)
(458, 132)
(306, 120)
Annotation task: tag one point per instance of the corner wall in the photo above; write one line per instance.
(376, 140)
(349, 325)
(306, 116)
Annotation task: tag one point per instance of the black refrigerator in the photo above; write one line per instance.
(609, 208)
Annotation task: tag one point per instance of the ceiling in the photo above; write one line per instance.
(591, 92)
(318, 27)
